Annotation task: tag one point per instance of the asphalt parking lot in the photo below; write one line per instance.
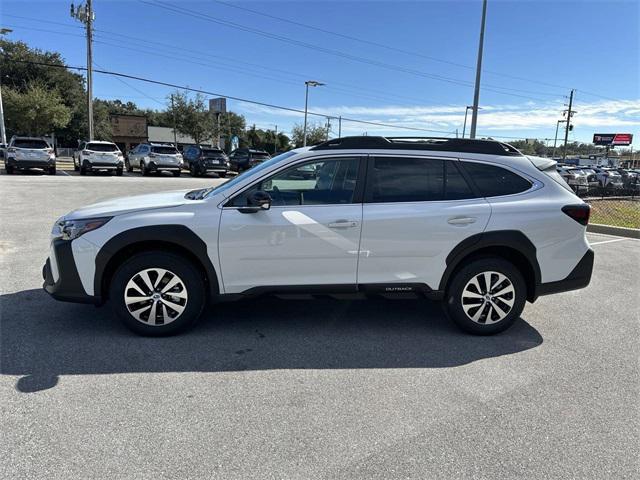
(296, 389)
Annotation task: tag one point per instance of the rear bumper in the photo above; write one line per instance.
(31, 163)
(67, 287)
(103, 165)
(154, 167)
(579, 278)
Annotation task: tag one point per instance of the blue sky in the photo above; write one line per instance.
(535, 52)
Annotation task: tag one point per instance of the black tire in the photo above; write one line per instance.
(193, 170)
(454, 300)
(177, 173)
(83, 171)
(75, 165)
(119, 172)
(193, 286)
(128, 166)
(52, 170)
(9, 169)
(222, 174)
(143, 170)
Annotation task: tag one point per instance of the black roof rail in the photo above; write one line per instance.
(440, 144)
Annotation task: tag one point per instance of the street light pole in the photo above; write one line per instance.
(308, 83)
(476, 93)
(555, 140)
(464, 126)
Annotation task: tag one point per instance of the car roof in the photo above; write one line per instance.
(99, 141)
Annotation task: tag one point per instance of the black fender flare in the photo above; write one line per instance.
(178, 235)
(512, 239)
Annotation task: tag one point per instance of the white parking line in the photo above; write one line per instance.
(610, 241)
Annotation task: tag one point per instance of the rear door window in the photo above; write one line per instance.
(405, 179)
(101, 147)
(164, 150)
(493, 181)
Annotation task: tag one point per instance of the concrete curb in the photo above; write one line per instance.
(611, 230)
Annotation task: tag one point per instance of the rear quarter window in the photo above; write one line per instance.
(493, 181)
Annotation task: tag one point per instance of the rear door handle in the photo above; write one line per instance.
(461, 220)
(343, 224)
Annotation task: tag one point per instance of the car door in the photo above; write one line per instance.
(415, 211)
(309, 236)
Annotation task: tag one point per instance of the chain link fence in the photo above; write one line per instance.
(619, 207)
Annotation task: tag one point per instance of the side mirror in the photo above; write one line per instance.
(258, 200)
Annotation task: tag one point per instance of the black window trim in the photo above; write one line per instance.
(358, 194)
(368, 193)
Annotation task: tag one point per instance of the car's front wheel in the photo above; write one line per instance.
(157, 293)
(486, 296)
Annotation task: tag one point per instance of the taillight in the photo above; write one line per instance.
(11, 150)
(152, 155)
(580, 213)
(86, 152)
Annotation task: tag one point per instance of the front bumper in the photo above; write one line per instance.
(579, 278)
(67, 287)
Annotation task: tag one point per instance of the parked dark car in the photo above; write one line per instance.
(201, 160)
(243, 159)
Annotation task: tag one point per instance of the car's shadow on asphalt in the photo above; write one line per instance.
(41, 339)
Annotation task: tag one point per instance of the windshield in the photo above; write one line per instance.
(242, 176)
(102, 147)
(164, 150)
(28, 143)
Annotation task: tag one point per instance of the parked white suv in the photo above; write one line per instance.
(96, 156)
(472, 222)
(155, 158)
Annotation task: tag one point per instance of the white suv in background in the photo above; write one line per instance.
(155, 158)
(474, 223)
(98, 156)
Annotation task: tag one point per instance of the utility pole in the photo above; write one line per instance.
(464, 126)
(340, 126)
(568, 125)
(476, 93)
(173, 111)
(84, 13)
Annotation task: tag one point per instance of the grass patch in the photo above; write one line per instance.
(618, 213)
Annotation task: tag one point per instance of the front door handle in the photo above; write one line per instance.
(461, 220)
(343, 224)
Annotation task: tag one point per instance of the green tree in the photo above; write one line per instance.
(192, 116)
(68, 86)
(316, 133)
(36, 111)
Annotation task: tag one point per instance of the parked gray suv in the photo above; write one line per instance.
(155, 157)
(25, 153)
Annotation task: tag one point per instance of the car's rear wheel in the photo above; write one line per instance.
(9, 169)
(128, 166)
(193, 170)
(222, 174)
(177, 173)
(52, 170)
(157, 293)
(143, 169)
(119, 172)
(486, 296)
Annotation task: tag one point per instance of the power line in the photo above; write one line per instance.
(231, 97)
(349, 37)
(397, 68)
(346, 87)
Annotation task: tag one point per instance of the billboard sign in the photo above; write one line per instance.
(218, 105)
(612, 139)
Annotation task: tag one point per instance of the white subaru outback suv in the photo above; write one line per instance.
(472, 222)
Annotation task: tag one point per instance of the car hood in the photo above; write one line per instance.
(134, 203)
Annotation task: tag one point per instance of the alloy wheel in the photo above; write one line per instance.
(155, 296)
(488, 297)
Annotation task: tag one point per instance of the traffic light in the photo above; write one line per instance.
(570, 127)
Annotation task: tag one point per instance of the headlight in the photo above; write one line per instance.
(72, 229)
